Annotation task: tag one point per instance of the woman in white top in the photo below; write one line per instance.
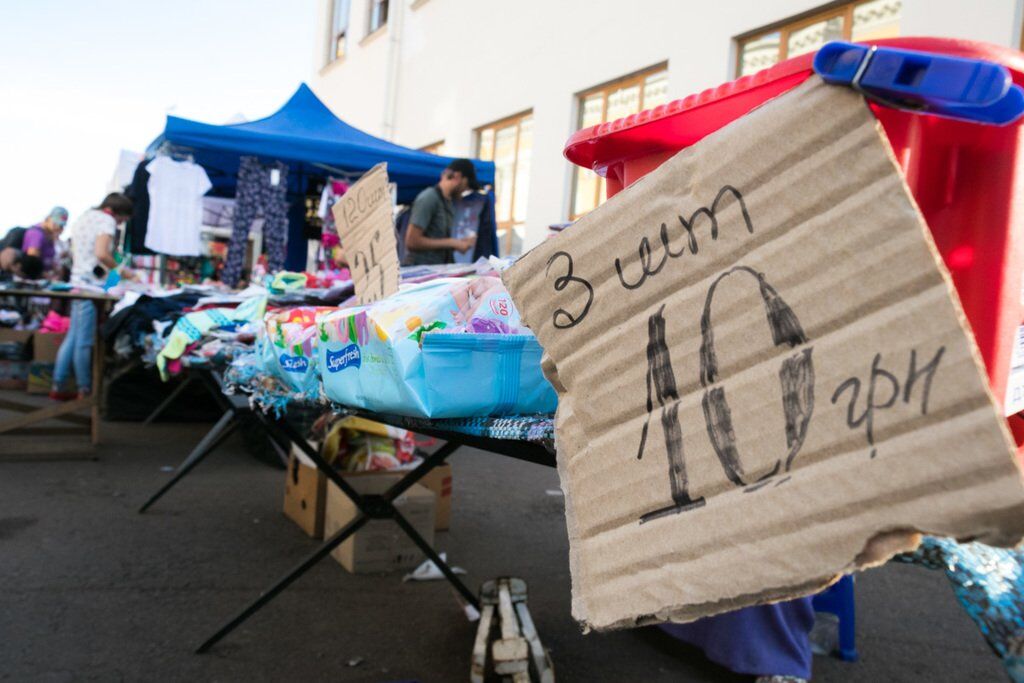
(92, 255)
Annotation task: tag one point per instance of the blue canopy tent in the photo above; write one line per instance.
(307, 136)
(314, 143)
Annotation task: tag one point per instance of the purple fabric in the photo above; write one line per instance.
(36, 238)
(768, 640)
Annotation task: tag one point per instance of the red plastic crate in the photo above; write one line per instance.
(965, 177)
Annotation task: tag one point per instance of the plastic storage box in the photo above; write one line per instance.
(966, 177)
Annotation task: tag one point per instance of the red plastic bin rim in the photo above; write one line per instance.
(584, 148)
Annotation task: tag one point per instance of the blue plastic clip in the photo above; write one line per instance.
(970, 89)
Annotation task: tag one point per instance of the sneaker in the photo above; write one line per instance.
(57, 395)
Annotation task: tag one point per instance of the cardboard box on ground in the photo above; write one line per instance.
(380, 545)
(45, 346)
(14, 358)
(305, 493)
(763, 371)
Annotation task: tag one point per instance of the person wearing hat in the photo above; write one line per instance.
(428, 239)
(41, 238)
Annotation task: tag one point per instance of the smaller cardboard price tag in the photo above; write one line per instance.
(367, 232)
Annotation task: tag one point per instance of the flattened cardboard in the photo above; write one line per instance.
(367, 232)
(768, 307)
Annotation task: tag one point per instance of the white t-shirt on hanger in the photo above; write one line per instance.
(176, 189)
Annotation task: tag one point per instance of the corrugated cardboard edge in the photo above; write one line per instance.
(878, 550)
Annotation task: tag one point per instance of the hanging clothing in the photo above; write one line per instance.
(176, 190)
(474, 215)
(487, 236)
(332, 192)
(261, 191)
(138, 192)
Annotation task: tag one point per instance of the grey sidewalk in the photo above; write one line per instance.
(90, 590)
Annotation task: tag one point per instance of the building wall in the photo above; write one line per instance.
(456, 65)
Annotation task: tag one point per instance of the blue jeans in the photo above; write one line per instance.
(76, 351)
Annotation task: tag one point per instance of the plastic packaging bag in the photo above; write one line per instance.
(451, 347)
(288, 347)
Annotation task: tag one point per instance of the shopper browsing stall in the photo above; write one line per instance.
(429, 238)
(40, 240)
(92, 256)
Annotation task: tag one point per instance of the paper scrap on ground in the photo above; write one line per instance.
(367, 231)
(428, 571)
(763, 377)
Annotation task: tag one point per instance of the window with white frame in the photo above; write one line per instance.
(608, 102)
(378, 15)
(339, 29)
(853, 21)
(509, 144)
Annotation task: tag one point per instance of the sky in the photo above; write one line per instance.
(80, 81)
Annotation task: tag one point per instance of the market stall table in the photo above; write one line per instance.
(65, 412)
(529, 438)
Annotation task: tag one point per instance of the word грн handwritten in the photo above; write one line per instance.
(872, 402)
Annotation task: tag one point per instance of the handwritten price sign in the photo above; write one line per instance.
(367, 232)
(762, 373)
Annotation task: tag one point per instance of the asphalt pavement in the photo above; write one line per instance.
(91, 590)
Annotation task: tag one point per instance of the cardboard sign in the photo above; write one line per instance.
(764, 379)
(367, 231)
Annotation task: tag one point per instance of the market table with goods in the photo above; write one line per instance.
(754, 384)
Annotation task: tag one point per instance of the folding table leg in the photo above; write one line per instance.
(280, 443)
(411, 532)
(380, 507)
(266, 596)
(169, 400)
(225, 426)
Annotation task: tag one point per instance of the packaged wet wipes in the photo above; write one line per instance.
(288, 347)
(452, 347)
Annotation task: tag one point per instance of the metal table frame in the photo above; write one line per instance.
(283, 434)
(380, 506)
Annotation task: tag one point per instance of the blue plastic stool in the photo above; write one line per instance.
(839, 600)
